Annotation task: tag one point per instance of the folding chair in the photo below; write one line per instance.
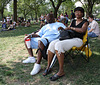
(83, 51)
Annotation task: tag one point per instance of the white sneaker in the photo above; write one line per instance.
(35, 69)
(29, 60)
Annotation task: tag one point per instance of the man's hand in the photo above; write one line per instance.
(68, 28)
(27, 36)
(60, 28)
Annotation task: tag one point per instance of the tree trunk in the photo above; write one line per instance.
(15, 10)
(24, 15)
(55, 12)
(89, 8)
(36, 16)
(2, 11)
(56, 7)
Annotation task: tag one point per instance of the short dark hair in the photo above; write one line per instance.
(91, 16)
(50, 18)
(79, 9)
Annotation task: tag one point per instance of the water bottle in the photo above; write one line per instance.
(27, 41)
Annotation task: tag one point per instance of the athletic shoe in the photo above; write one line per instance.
(35, 69)
(29, 60)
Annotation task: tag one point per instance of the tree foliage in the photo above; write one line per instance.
(96, 11)
(29, 7)
(3, 4)
(56, 4)
(88, 5)
(67, 6)
(64, 4)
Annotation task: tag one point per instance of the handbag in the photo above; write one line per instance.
(66, 34)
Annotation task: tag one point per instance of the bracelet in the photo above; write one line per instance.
(72, 28)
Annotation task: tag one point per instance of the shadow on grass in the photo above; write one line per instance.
(94, 46)
(19, 31)
(19, 74)
(4, 72)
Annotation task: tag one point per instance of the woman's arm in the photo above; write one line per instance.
(80, 30)
(83, 29)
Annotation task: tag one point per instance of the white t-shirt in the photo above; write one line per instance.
(95, 26)
(4, 20)
(61, 17)
(42, 17)
(14, 23)
(8, 18)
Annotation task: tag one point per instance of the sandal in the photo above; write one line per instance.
(47, 71)
(55, 77)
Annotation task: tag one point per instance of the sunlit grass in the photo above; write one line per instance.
(13, 72)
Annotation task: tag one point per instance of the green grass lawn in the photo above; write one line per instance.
(13, 72)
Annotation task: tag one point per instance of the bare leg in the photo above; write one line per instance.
(39, 55)
(29, 50)
(61, 62)
(50, 57)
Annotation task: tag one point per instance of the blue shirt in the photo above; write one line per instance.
(50, 31)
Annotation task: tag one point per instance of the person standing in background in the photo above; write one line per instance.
(72, 15)
(8, 20)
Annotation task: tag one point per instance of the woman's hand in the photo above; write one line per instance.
(68, 28)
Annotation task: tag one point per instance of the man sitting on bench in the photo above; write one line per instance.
(47, 33)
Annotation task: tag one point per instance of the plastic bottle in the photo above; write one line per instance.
(27, 41)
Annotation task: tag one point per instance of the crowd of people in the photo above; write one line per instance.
(9, 24)
(62, 18)
(49, 32)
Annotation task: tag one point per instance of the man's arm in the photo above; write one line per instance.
(90, 30)
(31, 35)
(93, 26)
(35, 35)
